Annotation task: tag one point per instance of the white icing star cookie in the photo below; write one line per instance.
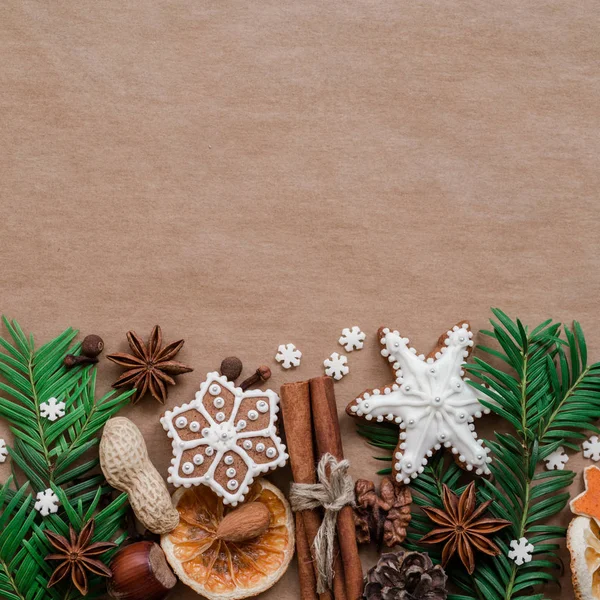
(224, 438)
(431, 402)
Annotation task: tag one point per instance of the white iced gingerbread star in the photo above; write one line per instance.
(430, 400)
(224, 438)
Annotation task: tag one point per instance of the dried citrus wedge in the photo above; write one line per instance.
(583, 541)
(217, 569)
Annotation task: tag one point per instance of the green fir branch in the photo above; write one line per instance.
(56, 455)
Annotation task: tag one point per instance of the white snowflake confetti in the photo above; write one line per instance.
(352, 339)
(3, 451)
(591, 448)
(288, 355)
(335, 366)
(521, 551)
(53, 409)
(557, 459)
(431, 401)
(47, 502)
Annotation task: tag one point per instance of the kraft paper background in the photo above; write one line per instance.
(248, 174)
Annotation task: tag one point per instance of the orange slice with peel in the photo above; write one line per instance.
(218, 569)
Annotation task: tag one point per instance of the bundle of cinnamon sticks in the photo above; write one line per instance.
(311, 423)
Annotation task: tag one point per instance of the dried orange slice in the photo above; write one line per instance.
(583, 541)
(228, 570)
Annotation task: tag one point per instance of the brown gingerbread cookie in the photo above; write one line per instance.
(224, 438)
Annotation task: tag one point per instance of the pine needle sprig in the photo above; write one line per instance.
(52, 454)
(49, 452)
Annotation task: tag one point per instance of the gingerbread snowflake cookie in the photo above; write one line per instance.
(224, 438)
(430, 400)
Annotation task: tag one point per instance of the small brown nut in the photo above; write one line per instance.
(231, 367)
(92, 345)
(125, 463)
(244, 523)
(140, 572)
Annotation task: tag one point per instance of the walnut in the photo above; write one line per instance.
(382, 518)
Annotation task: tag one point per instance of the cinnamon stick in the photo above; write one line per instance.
(308, 587)
(329, 439)
(296, 413)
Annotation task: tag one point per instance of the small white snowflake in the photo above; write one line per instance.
(335, 366)
(591, 448)
(352, 339)
(557, 459)
(3, 451)
(288, 355)
(53, 409)
(47, 502)
(521, 551)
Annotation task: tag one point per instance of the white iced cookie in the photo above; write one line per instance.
(224, 438)
(431, 401)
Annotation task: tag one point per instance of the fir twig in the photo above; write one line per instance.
(51, 455)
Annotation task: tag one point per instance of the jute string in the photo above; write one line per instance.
(334, 491)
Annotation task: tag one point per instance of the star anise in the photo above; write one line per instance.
(462, 527)
(77, 556)
(150, 367)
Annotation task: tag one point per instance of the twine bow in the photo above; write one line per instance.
(334, 491)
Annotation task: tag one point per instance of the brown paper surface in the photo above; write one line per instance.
(248, 174)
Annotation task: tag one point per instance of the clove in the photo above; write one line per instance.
(262, 374)
(70, 360)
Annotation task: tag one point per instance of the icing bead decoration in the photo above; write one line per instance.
(181, 422)
(194, 426)
(235, 433)
(430, 402)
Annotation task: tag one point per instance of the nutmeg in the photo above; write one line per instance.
(140, 572)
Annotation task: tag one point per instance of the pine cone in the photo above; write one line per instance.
(405, 576)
